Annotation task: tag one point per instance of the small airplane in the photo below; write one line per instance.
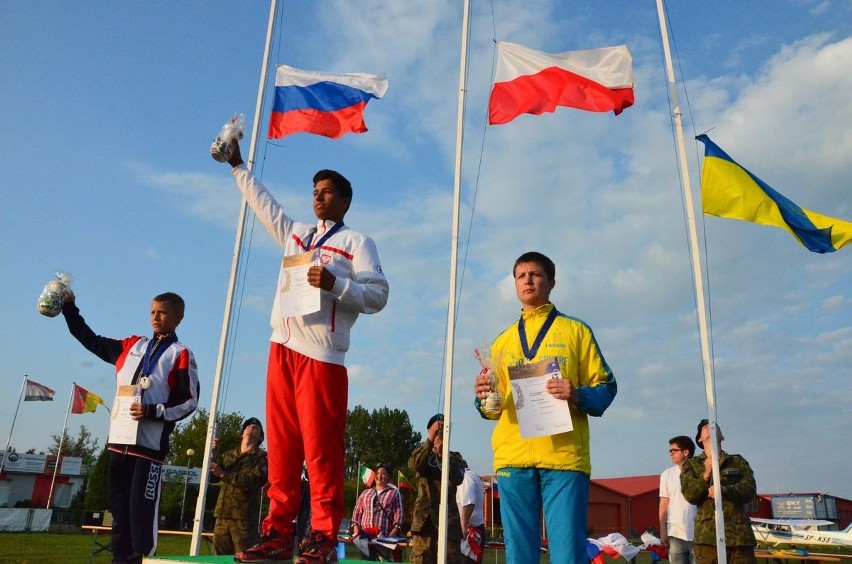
(799, 532)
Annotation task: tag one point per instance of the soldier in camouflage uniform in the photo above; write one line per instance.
(242, 475)
(738, 489)
(426, 461)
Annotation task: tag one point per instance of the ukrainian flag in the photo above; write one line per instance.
(729, 190)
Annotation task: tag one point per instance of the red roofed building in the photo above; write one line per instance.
(628, 506)
(616, 505)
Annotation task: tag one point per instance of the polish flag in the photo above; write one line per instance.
(532, 82)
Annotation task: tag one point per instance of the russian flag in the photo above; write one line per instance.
(532, 82)
(322, 103)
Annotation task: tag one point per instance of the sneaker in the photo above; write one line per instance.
(321, 549)
(271, 548)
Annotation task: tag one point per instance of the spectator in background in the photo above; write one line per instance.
(737, 489)
(426, 461)
(378, 512)
(241, 473)
(470, 497)
(677, 516)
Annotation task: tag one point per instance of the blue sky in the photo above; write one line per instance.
(108, 110)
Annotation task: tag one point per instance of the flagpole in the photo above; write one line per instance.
(12, 428)
(61, 442)
(491, 491)
(357, 480)
(451, 308)
(697, 275)
(493, 478)
(198, 520)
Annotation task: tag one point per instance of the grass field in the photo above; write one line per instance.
(76, 547)
(32, 548)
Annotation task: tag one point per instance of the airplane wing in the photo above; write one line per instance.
(793, 522)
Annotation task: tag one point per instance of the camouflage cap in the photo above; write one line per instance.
(252, 421)
(703, 423)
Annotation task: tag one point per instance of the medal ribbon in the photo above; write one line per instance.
(531, 352)
(334, 229)
(153, 352)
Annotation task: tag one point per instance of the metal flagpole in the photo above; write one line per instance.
(189, 453)
(700, 300)
(492, 505)
(451, 309)
(198, 520)
(357, 480)
(61, 442)
(493, 482)
(12, 428)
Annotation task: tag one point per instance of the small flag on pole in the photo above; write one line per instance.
(322, 103)
(533, 82)
(367, 476)
(85, 401)
(729, 190)
(402, 481)
(37, 392)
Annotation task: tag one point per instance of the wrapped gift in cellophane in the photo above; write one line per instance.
(53, 294)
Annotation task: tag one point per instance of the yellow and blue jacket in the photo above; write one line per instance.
(571, 342)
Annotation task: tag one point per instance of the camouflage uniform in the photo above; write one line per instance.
(738, 489)
(238, 506)
(425, 518)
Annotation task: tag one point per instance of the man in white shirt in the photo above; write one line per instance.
(677, 516)
(470, 497)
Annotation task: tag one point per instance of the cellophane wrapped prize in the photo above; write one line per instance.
(493, 401)
(223, 146)
(54, 293)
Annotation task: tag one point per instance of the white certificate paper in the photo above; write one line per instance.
(539, 413)
(122, 427)
(297, 296)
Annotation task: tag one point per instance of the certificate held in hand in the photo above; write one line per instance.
(297, 296)
(539, 413)
(122, 426)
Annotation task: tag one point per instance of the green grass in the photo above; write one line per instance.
(75, 547)
(32, 548)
